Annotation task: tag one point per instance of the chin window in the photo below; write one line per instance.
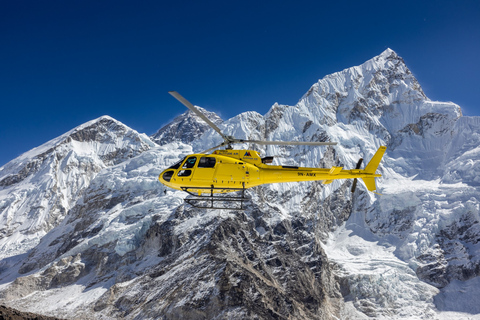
(167, 176)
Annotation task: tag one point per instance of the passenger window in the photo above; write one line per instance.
(189, 163)
(206, 162)
(184, 173)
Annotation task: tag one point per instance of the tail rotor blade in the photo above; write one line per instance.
(354, 185)
(359, 164)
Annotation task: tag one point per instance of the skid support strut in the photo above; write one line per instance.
(198, 199)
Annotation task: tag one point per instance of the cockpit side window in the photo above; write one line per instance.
(206, 162)
(189, 163)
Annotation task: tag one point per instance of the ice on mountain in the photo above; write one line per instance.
(378, 283)
(460, 296)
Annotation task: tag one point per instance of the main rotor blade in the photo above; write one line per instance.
(286, 143)
(190, 106)
(219, 146)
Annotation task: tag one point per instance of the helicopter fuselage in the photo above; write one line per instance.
(231, 170)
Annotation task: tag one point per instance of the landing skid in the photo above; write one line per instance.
(213, 201)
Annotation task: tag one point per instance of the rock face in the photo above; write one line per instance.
(229, 271)
(12, 314)
(109, 241)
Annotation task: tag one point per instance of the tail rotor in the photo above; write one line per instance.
(354, 185)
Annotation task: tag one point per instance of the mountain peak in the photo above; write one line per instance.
(387, 56)
(185, 128)
(105, 119)
(388, 52)
(388, 59)
(368, 89)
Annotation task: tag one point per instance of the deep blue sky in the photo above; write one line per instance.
(67, 62)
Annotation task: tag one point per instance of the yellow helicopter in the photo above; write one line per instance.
(204, 175)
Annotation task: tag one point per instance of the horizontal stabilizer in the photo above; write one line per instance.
(370, 183)
(335, 170)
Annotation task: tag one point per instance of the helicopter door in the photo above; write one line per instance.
(206, 169)
(230, 174)
(186, 171)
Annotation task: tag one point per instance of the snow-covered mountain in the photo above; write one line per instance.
(38, 188)
(91, 233)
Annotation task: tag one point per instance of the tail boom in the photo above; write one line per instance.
(278, 174)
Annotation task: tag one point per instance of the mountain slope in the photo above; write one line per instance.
(136, 234)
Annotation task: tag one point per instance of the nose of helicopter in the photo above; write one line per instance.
(166, 176)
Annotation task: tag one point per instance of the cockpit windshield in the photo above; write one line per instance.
(190, 162)
(177, 165)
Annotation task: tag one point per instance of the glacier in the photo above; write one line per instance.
(88, 231)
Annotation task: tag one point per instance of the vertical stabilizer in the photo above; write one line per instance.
(372, 167)
(373, 164)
